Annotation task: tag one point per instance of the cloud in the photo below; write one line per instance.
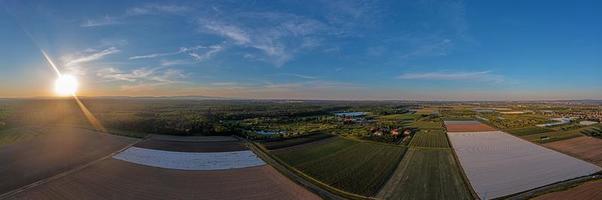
(141, 75)
(152, 9)
(149, 9)
(229, 31)
(193, 52)
(208, 54)
(277, 37)
(104, 21)
(299, 75)
(88, 56)
(224, 83)
(454, 76)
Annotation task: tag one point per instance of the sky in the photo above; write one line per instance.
(306, 49)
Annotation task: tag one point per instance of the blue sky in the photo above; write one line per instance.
(410, 50)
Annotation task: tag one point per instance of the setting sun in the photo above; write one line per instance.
(65, 85)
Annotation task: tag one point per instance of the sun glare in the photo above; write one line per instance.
(65, 85)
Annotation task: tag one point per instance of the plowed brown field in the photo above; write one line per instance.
(115, 179)
(587, 191)
(585, 148)
(55, 150)
(468, 128)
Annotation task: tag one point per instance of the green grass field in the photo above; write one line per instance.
(427, 125)
(426, 174)
(593, 131)
(528, 131)
(430, 139)
(350, 165)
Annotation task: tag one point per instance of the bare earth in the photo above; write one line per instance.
(585, 148)
(587, 191)
(468, 128)
(115, 179)
(56, 150)
(180, 146)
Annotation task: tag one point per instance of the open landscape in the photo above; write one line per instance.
(312, 99)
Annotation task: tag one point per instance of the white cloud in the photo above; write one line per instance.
(88, 56)
(232, 32)
(194, 52)
(152, 9)
(141, 75)
(299, 76)
(224, 83)
(454, 76)
(278, 37)
(104, 21)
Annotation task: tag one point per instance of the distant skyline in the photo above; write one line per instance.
(346, 50)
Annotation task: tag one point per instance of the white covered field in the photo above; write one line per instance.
(498, 164)
(190, 160)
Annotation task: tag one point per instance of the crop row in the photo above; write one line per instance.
(430, 138)
(353, 166)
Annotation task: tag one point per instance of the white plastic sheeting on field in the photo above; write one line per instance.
(498, 164)
(190, 160)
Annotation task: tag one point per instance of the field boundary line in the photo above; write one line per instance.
(461, 169)
(434, 148)
(14, 192)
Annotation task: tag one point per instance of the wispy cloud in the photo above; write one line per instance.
(277, 36)
(298, 75)
(229, 31)
(454, 76)
(103, 21)
(88, 56)
(149, 9)
(194, 52)
(224, 83)
(141, 75)
(152, 9)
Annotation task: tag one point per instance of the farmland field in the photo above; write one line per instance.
(295, 141)
(426, 174)
(430, 138)
(589, 190)
(553, 136)
(353, 166)
(54, 151)
(528, 131)
(585, 148)
(498, 164)
(427, 124)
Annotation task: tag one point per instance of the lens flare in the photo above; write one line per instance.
(65, 85)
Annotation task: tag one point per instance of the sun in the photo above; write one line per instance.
(65, 85)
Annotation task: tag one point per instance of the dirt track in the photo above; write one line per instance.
(585, 148)
(587, 191)
(115, 179)
(56, 150)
